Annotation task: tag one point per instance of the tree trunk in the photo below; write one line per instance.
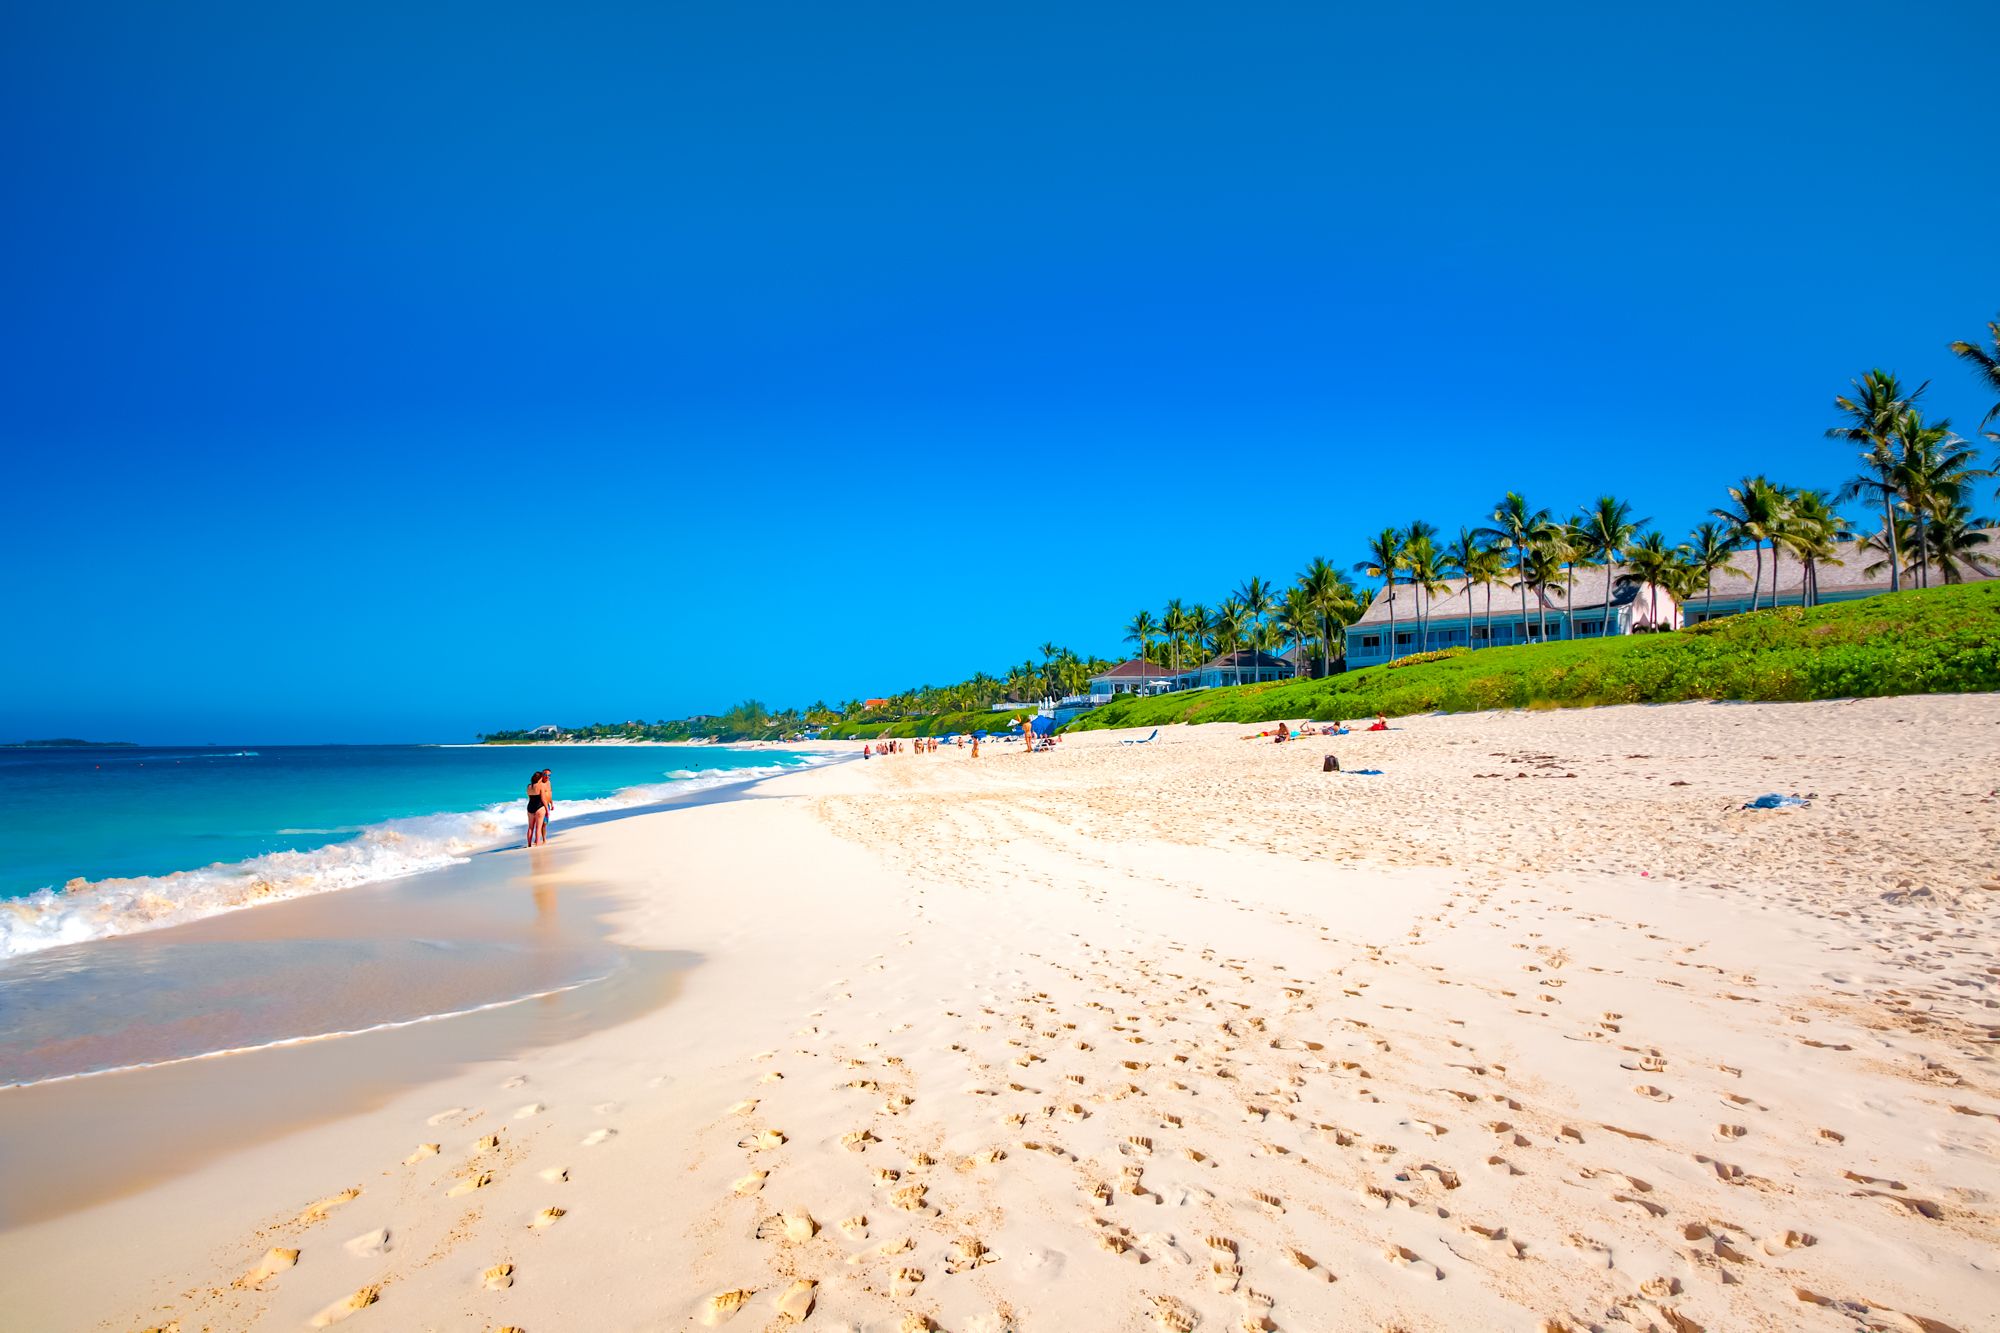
(1521, 568)
(1757, 579)
(1895, 555)
(1604, 626)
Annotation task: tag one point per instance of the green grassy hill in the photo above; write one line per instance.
(1934, 641)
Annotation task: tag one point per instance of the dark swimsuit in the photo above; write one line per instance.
(534, 803)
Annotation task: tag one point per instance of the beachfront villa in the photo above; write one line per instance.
(1241, 668)
(1136, 676)
(1460, 620)
(1139, 676)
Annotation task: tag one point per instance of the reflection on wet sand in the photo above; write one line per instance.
(428, 974)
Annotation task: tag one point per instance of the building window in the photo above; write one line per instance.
(1371, 641)
(1403, 639)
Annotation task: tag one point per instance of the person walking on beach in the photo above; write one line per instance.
(534, 807)
(541, 804)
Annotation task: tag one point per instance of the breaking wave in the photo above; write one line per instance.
(95, 909)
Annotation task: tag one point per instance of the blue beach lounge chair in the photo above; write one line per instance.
(1156, 731)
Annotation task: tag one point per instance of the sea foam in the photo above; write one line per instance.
(87, 910)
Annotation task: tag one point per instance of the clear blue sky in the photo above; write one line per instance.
(377, 374)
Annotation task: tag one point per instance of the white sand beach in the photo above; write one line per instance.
(1537, 1029)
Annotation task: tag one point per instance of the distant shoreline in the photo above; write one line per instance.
(66, 743)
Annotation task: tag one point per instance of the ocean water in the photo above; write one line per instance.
(107, 841)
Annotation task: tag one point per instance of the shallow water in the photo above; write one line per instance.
(105, 842)
(136, 1058)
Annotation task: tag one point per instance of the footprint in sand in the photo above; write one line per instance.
(497, 1278)
(797, 1301)
(555, 1175)
(274, 1262)
(548, 1217)
(518, 1081)
(369, 1244)
(346, 1306)
(723, 1305)
(1405, 1258)
(597, 1136)
(317, 1211)
(796, 1227)
(531, 1109)
(443, 1116)
(478, 1181)
(906, 1282)
(751, 1183)
(762, 1141)
(423, 1150)
(966, 1254)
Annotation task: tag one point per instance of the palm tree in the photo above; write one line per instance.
(1652, 564)
(1424, 565)
(1957, 538)
(1258, 601)
(1200, 625)
(1331, 600)
(1930, 476)
(1465, 556)
(1542, 570)
(1711, 549)
(1985, 365)
(1812, 530)
(1385, 554)
(1141, 631)
(1228, 627)
(1174, 621)
(1516, 525)
(1874, 413)
(1298, 618)
(1759, 506)
(1606, 528)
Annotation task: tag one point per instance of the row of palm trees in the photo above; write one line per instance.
(1919, 471)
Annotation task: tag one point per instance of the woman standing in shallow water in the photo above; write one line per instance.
(540, 802)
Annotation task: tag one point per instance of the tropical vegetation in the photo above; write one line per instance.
(1916, 477)
(1915, 642)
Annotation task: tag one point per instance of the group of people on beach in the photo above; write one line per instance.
(921, 745)
(541, 805)
(1285, 733)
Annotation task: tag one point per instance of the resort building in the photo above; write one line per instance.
(1137, 676)
(1242, 668)
(1492, 616)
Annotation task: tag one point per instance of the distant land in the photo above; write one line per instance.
(66, 743)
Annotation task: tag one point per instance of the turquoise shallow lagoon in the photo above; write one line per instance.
(106, 841)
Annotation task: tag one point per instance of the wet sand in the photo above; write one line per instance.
(245, 1027)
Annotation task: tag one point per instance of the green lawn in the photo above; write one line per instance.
(1933, 641)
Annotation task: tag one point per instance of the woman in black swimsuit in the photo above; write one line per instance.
(536, 809)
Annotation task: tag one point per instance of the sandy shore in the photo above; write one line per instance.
(1537, 1029)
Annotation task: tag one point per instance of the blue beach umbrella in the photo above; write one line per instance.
(979, 735)
(1043, 726)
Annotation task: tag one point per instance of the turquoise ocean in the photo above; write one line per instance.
(110, 840)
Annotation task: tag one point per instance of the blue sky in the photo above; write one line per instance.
(373, 374)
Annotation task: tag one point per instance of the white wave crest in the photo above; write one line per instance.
(89, 910)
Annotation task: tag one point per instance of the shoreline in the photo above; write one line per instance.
(377, 852)
(1479, 1043)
